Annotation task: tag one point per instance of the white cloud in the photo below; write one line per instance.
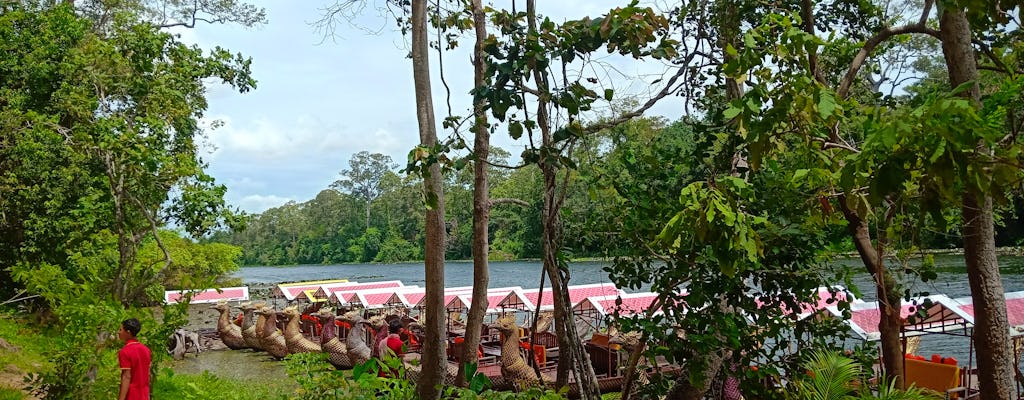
(318, 102)
(257, 204)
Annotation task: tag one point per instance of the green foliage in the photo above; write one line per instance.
(11, 394)
(192, 265)
(830, 376)
(317, 380)
(210, 386)
(103, 135)
(395, 249)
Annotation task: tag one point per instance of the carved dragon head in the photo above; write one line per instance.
(627, 340)
(352, 317)
(544, 321)
(221, 306)
(291, 312)
(506, 324)
(325, 312)
(265, 310)
(377, 321)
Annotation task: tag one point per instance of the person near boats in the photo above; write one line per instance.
(390, 346)
(134, 359)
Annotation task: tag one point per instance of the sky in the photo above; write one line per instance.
(320, 100)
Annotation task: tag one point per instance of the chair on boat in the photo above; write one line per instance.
(938, 377)
(549, 341)
(455, 347)
(604, 360)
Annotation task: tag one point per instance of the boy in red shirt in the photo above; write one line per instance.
(134, 359)
(392, 343)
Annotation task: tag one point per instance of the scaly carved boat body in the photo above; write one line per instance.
(228, 332)
(336, 349)
(293, 335)
(272, 339)
(251, 325)
(513, 367)
(358, 351)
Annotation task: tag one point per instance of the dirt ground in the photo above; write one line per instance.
(14, 378)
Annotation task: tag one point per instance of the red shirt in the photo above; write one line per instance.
(135, 356)
(394, 343)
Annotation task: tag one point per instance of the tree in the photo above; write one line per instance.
(103, 136)
(481, 194)
(525, 54)
(991, 332)
(363, 178)
(433, 364)
(899, 162)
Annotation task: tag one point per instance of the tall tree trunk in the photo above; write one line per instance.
(685, 389)
(367, 215)
(571, 350)
(481, 199)
(889, 298)
(433, 360)
(569, 343)
(991, 328)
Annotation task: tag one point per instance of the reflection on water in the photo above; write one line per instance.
(234, 364)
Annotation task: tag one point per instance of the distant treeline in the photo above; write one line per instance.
(374, 213)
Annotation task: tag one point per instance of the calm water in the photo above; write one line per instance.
(952, 282)
(456, 273)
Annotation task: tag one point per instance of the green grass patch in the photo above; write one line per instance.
(10, 394)
(30, 341)
(209, 386)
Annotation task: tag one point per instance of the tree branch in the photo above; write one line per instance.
(870, 45)
(665, 90)
(506, 200)
(156, 234)
(826, 144)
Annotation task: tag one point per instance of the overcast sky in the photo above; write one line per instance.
(319, 101)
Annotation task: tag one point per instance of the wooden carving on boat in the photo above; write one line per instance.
(272, 339)
(296, 342)
(228, 332)
(336, 349)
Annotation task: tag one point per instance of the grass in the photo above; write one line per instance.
(210, 386)
(11, 394)
(32, 341)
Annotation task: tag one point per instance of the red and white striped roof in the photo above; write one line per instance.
(631, 303)
(240, 293)
(823, 299)
(944, 315)
(291, 290)
(495, 297)
(416, 297)
(576, 294)
(377, 298)
(1014, 310)
(325, 291)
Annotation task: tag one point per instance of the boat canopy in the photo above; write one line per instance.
(240, 293)
(324, 292)
(576, 294)
(623, 304)
(376, 298)
(291, 290)
(1014, 311)
(825, 297)
(921, 315)
(495, 297)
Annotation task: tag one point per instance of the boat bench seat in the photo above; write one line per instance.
(941, 378)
